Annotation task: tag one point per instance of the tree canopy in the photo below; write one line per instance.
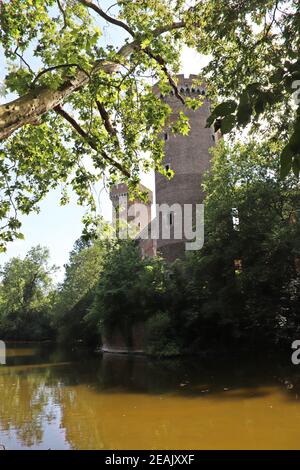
(82, 107)
(75, 294)
(26, 296)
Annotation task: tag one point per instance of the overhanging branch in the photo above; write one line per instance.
(56, 67)
(106, 119)
(29, 107)
(164, 68)
(90, 141)
(106, 17)
(40, 99)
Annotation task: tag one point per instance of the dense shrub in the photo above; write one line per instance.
(243, 286)
(162, 339)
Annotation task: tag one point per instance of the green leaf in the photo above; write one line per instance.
(225, 108)
(210, 120)
(228, 123)
(244, 110)
(222, 110)
(181, 126)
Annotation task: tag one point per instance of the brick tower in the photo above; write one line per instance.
(135, 213)
(188, 156)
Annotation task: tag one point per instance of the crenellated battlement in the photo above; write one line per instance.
(187, 86)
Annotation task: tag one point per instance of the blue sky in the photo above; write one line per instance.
(55, 226)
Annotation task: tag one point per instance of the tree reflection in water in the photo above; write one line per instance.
(24, 406)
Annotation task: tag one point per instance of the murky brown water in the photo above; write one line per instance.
(51, 399)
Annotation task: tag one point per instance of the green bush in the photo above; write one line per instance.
(161, 337)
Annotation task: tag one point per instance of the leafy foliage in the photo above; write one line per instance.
(75, 295)
(255, 70)
(162, 339)
(26, 297)
(242, 284)
(86, 107)
(241, 288)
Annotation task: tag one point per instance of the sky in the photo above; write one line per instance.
(58, 227)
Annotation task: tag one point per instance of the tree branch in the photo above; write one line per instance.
(29, 107)
(106, 17)
(89, 140)
(41, 99)
(167, 28)
(273, 19)
(106, 119)
(54, 67)
(163, 66)
(63, 14)
(22, 59)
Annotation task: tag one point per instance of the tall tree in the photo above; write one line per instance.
(75, 294)
(26, 296)
(245, 280)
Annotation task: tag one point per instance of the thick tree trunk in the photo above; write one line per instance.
(28, 108)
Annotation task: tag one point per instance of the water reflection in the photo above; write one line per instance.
(73, 400)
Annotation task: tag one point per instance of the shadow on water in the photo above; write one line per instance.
(229, 378)
(191, 376)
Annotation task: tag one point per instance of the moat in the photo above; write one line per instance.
(52, 399)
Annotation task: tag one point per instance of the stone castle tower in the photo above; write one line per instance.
(189, 157)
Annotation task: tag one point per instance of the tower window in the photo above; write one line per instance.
(171, 218)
